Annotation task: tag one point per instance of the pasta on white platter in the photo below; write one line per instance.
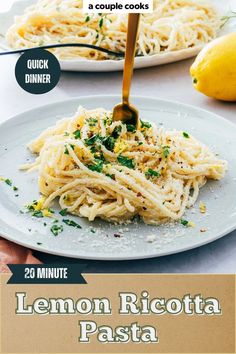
(100, 168)
(174, 25)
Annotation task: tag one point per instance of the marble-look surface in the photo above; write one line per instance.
(168, 82)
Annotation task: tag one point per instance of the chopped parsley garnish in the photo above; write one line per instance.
(93, 149)
(184, 222)
(37, 214)
(152, 173)
(92, 140)
(92, 121)
(31, 207)
(77, 134)
(131, 128)
(101, 23)
(107, 120)
(39, 243)
(166, 151)
(145, 124)
(109, 142)
(140, 143)
(8, 182)
(63, 212)
(71, 223)
(36, 209)
(98, 166)
(116, 131)
(87, 19)
(186, 135)
(195, 80)
(56, 229)
(93, 231)
(111, 176)
(125, 161)
(66, 152)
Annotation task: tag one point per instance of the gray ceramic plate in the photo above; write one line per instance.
(7, 18)
(96, 240)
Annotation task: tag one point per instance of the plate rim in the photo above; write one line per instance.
(144, 97)
(179, 249)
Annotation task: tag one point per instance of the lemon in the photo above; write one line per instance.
(214, 70)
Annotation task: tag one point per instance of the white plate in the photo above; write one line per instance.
(219, 197)
(6, 19)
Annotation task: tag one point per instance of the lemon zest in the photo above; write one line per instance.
(202, 207)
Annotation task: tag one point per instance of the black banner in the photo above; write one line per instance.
(46, 274)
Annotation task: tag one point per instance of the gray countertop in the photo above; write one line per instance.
(171, 82)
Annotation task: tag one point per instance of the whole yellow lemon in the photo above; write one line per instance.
(214, 70)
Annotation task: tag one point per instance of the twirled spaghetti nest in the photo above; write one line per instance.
(100, 168)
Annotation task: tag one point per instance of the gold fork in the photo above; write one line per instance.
(125, 111)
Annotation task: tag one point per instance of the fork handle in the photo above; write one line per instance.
(133, 22)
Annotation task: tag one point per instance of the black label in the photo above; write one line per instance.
(37, 71)
(46, 274)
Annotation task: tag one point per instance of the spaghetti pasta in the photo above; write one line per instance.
(173, 25)
(111, 170)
